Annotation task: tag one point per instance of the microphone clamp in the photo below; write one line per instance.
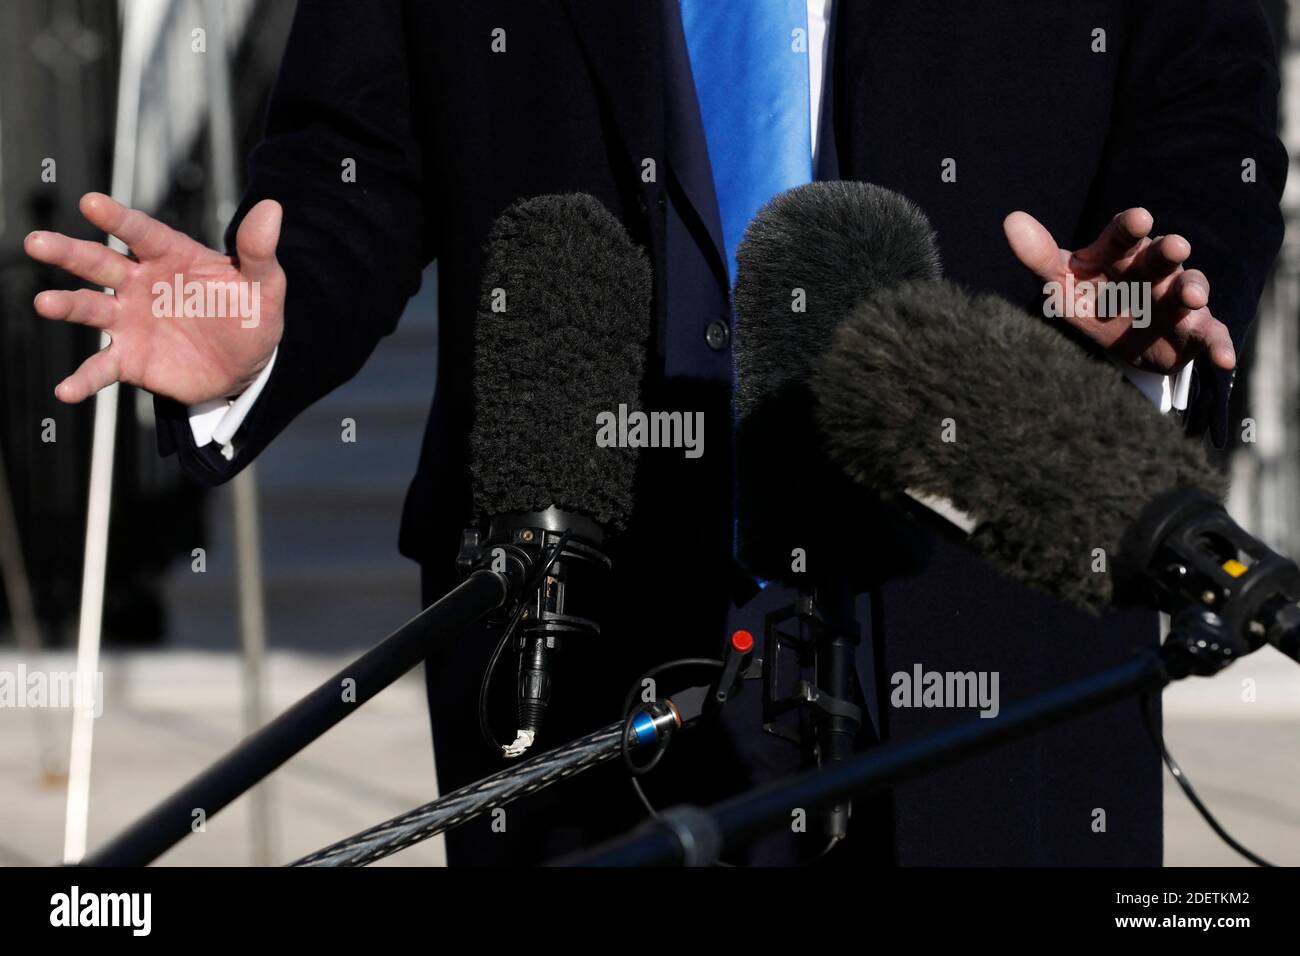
(552, 595)
(1185, 553)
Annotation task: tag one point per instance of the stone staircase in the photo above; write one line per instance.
(329, 512)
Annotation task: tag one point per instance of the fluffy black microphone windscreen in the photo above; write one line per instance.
(1048, 449)
(807, 258)
(561, 335)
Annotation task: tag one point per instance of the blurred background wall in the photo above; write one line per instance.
(332, 580)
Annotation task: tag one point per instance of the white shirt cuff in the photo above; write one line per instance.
(1166, 392)
(219, 419)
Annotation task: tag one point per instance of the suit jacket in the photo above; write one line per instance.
(1037, 110)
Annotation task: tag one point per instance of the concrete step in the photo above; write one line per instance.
(333, 581)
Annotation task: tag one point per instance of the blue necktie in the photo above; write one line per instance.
(749, 59)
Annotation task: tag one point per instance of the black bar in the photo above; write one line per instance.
(741, 818)
(837, 676)
(262, 752)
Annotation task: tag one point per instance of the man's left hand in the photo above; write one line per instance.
(1180, 326)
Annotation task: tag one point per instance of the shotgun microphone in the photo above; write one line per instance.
(807, 257)
(1055, 468)
(561, 333)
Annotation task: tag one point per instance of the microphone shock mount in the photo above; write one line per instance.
(555, 562)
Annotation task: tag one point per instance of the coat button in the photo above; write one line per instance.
(717, 335)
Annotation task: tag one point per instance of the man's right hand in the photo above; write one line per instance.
(190, 359)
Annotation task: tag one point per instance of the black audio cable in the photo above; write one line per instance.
(1148, 721)
(530, 590)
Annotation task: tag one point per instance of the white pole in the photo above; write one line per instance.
(248, 561)
(95, 564)
(252, 631)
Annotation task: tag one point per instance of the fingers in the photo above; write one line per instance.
(257, 238)
(1201, 331)
(1191, 289)
(85, 307)
(146, 237)
(1033, 245)
(1218, 342)
(91, 261)
(1161, 259)
(98, 371)
(1119, 240)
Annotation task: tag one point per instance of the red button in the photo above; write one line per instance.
(742, 642)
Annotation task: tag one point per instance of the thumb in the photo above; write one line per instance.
(257, 238)
(1033, 245)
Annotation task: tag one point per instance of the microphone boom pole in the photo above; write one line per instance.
(172, 820)
(1200, 644)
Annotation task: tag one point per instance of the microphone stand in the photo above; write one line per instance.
(1198, 644)
(825, 649)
